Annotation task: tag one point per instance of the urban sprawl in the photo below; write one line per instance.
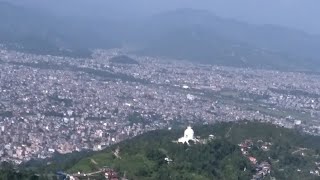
(54, 104)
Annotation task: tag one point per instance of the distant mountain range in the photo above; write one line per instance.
(203, 37)
(38, 32)
(195, 35)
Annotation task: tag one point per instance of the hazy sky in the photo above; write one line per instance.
(301, 14)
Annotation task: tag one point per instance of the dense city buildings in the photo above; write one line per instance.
(54, 104)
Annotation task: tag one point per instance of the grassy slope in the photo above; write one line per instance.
(138, 165)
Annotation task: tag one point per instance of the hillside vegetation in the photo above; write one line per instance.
(143, 157)
(224, 151)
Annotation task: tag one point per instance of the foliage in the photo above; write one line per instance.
(7, 172)
(143, 157)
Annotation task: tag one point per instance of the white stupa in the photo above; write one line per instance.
(188, 136)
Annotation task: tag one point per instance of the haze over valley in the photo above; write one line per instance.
(192, 34)
(86, 87)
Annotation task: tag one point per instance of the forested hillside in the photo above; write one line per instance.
(222, 151)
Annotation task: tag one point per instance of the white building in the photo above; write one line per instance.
(188, 136)
(297, 122)
(190, 97)
(185, 87)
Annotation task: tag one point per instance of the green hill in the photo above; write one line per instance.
(8, 172)
(291, 155)
(146, 160)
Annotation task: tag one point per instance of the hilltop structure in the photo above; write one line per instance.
(188, 136)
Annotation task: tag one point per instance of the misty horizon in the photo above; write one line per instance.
(292, 14)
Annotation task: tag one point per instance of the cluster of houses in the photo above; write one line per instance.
(263, 168)
(108, 173)
(315, 172)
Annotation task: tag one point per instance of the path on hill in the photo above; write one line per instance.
(93, 161)
(299, 150)
(228, 133)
